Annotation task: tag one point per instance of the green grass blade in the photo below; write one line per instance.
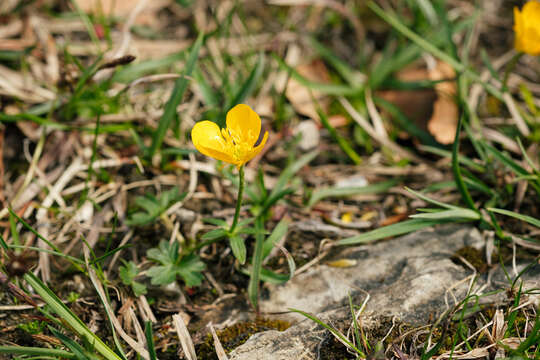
(35, 351)
(400, 228)
(279, 232)
(329, 89)
(341, 141)
(249, 84)
(466, 214)
(288, 173)
(253, 287)
(150, 340)
(460, 184)
(320, 194)
(515, 215)
(69, 317)
(178, 92)
(429, 47)
(336, 333)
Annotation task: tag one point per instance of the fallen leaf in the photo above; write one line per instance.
(300, 96)
(443, 122)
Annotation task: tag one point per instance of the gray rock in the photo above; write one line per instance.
(411, 278)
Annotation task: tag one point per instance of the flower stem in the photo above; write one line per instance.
(239, 200)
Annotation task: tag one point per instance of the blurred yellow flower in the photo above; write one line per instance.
(527, 28)
(236, 143)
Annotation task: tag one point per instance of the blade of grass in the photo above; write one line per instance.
(400, 228)
(466, 214)
(460, 184)
(330, 89)
(71, 319)
(341, 141)
(253, 287)
(249, 84)
(334, 332)
(180, 87)
(320, 194)
(150, 340)
(531, 220)
(35, 351)
(427, 46)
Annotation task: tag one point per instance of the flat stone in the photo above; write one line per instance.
(411, 278)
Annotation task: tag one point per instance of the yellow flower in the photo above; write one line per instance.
(527, 28)
(234, 144)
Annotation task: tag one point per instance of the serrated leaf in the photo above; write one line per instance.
(238, 248)
(190, 269)
(162, 274)
(138, 288)
(164, 253)
(128, 272)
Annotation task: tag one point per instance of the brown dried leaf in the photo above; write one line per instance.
(443, 122)
(301, 97)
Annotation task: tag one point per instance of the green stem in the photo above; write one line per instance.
(239, 200)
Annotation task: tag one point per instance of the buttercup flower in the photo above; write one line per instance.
(234, 144)
(527, 28)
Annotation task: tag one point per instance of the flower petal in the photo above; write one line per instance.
(206, 137)
(244, 124)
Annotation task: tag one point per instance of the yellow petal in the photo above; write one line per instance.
(527, 28)
(206, 137)
(244, 124)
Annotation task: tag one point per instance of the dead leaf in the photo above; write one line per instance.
(433, 110)
(443, 122)
(301, 97)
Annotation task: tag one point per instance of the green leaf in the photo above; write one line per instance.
(286, 175)
(162, 274)
(128, 272)
(138, 288)
(238, 248)
(466, 214)
(318, 195)
(214, 234)
(178, 92)
(165, 253)
(279, 232)
(150, 340)
(531, 220)
(250, 83)
(190, 268)
(69, 317)
(400, 228)
(330, 89)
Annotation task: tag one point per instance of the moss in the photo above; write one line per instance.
(236, 335)
(474, 256)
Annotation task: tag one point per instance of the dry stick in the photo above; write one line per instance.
(220, 352)
(373, 133)
(146, 311)
(185, 338)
